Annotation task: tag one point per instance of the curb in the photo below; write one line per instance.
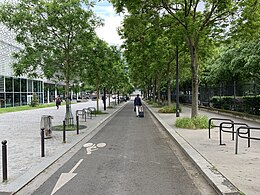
(218, 181)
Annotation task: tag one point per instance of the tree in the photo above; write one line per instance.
(54, 36)
(237, 62)
(247, 25)
(197, 20)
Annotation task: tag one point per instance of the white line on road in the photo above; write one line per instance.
(65, 178)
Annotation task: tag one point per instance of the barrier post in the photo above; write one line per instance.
(42, 142)
(77, 120)
(64, 131)
(4, 159)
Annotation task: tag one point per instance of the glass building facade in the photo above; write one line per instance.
(19, 91)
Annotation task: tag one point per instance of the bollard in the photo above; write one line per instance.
(4, 160)
(42, 142)
(64, 131)
(77, 119)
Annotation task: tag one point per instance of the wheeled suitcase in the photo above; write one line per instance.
(141, 112)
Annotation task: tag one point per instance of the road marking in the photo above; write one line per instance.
(65, 178)
(90, 147)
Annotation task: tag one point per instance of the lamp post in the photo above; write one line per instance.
(104, 98)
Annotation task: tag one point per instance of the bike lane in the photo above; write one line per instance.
(127, 156)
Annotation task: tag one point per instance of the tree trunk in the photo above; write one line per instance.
(159, 90)
(169, 85)
(97, 88)
(154, 90)
(67, 92)
(169, 92)
(195, 81)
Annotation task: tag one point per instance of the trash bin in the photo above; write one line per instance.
(46, 125)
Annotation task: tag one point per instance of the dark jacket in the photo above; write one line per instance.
(137, 101)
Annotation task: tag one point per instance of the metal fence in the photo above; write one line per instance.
(230, 97)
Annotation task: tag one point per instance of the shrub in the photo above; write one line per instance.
(168, 109)
(35, 101)
(157, 105)
(184, 123)
(199, 122)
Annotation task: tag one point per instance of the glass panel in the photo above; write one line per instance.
(41, 86)
(9, 84)
(17, 99)
(52, 92)
(29, 85)
(29, 98)
(2, 83)
(23, 85)
(16, 85)
(9, 99)
(40, 97)
(35, 86)
(46, 92)
(2, 100)
(24, 98)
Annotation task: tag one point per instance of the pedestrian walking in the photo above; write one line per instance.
(137, 104)
(58, 102)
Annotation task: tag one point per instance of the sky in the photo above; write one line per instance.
(112, 21)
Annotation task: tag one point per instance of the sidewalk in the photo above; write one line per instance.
(241, 169)
(22, 132)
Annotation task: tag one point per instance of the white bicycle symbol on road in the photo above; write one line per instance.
(90, 147)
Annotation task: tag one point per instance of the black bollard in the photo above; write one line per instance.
(4, 160)
(42, 142)
(64, 131)
(77, 119)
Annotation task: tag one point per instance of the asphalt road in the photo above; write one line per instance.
(129, 155)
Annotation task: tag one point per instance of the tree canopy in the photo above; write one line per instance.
(54, 36)
(198, 22)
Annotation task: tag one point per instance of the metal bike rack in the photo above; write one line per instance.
(232, 126)
(248, 132)
(217, 119)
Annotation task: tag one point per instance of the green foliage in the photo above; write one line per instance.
(155, 36)
(56, 38)
(236, 62)
(168, 109)
(99, 112)
(157, 105)
(27, 107)
(185, 122)
(54, 35)
(35, 101)
(68, 127)
(199, 122)
(247, 25)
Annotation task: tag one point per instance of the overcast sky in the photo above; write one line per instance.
(112, 21)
